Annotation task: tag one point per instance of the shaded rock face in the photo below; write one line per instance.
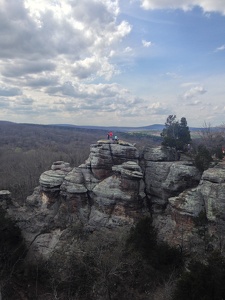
(212, 188)
(195, 219)
(164, 178)
(115, 187)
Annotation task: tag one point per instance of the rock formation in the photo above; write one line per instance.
(115, 187)
(165, 176)
(195, 218)
(106, 191)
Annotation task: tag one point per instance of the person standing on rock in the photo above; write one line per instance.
(110, 135)
(116, 139)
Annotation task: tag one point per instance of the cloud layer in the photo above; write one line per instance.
(205, 5)
(53, 47)
(102, 62)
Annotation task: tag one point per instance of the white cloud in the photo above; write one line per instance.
(188, 84)
(194, 103)
(63, 36)
(109, 103)
(158, 108)
(205, 5)
(127, 50)
(221, 48)
(59, 59)
(50, 50)
(194, 92)
(146, 43)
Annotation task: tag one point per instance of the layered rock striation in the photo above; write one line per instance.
(166, 177)
(106, 191)
(116, 187)
(195, 219)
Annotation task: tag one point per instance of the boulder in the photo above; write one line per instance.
(212, 189)
(165, 179)
(74, 182)
(160, 154)
(51, 180)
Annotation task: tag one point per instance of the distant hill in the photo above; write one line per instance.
(153, 127)
(115, 128)
(32, 136)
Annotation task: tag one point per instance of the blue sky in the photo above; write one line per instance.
(112, 62)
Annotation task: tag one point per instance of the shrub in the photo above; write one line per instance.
(12, 245)
(202, 281)
(143, 238)
(219, 152)
(12, 251)
(161, 256)
(203, 158)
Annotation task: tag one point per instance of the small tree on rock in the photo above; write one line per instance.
(176, 134)
(203, 158)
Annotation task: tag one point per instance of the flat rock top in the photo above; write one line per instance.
(216, 175)
(119, 142)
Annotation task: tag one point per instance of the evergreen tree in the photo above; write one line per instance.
(176, 134)
(203, 158)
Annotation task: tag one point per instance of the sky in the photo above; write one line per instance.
(112, 62)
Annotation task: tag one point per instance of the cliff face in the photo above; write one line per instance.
(195, 218)
(115, 187)
(165, 176)
(104, 191)
(107, 191)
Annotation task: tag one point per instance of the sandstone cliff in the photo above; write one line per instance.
(115, 187)
(106, 191)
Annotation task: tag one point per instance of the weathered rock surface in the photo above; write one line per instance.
(212, 188)
(164, 178)
(195, 219)
(115, 187)
(106, 191)
(160, 154)
(105, 154)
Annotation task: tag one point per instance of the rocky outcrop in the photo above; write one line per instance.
(166, 177)
(106, 191)
(51, 180)
(106, 154)
(195, 219)
(115, 187)
(119, 198)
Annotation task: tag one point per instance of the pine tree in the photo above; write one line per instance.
(176, 134)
